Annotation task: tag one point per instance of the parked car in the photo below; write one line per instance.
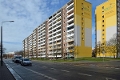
(26, 61)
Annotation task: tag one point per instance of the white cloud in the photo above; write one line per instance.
(27, 16)
(54, 2)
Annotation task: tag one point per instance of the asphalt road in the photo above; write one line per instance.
(59, 71)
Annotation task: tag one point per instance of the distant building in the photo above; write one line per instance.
(108, 29)
(68, 32)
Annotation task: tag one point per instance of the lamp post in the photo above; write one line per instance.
(2, 43)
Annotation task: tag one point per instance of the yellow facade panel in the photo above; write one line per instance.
(111, 21)
(88, 23)
(99, 26)
(77, 20)
(107, 9)
(84, 52)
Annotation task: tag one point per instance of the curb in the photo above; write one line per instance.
(15, 75)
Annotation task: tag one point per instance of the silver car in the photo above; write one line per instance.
(26, 61)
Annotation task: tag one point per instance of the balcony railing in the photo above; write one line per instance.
(70, 10)
(72, 4)
(72, 19)
(70, 25)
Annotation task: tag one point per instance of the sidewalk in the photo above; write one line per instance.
(5, 73)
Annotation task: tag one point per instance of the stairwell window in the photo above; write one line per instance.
(83, 39)
(102, 25)
(103, 7)
(82, 28)
(82, 13)
(102, 20)
(103, 16)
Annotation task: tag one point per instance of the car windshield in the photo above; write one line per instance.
(18, 57)
(26, 60)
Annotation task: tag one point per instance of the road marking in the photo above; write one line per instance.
(110, 79)
(41, 74)
(117, 68)
(44, 67)
(65, 70)
(16, 76)
(53, 68)
(84, 74)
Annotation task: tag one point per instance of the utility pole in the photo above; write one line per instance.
(2, 42)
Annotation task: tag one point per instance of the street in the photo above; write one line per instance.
(41, 70)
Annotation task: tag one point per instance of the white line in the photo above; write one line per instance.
(85, 74)
(117, 68)
(65, 70)
(44, 67)
(16, 76)
(41, 74)
(110, 79)
(53, 68)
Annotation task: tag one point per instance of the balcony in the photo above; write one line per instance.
(71, 30)
(70, 45)
(71, 5)
(70, 10)
(72, 14)
(58, 39)
(70, 35)
(43, 28)
(70, 25)
(71, 20)
(58, 13)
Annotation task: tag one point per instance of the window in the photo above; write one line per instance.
(82, 18)
(82, 23)
(118, 32)
(103, 21)
(118, 42)
(102, 25)
(103, 29)
(82, 8)
(82, 28)
(103, 38)
(118, 28)
(82, 14)
(103, 16)
(103, 7)
(82, 33)
(103, 34)
(82, 38)
(102, 43)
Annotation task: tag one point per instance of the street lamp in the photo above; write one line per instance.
(2, 43)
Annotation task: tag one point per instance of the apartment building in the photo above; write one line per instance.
(67, 33)
(108, 29)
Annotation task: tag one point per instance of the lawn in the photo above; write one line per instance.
(77, 59)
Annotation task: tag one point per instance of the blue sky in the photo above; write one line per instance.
(29, 14)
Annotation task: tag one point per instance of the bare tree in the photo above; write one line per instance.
(19, 53)
(111, 45)
(2, 48)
